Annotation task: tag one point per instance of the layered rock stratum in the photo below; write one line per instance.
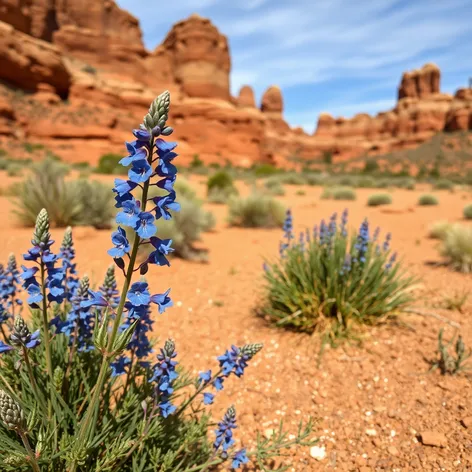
(76, 77)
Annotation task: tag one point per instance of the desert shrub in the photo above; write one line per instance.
(265, 170)
(443, 185)
(439, 229)
(379, 199)
(331, 282)
(32, 147)
(67, 203)
(292, 178)
(347, 181)
(81, 386)
(256, 211)
(109, 164)
(221, 195)
(468, 212)
(274, 187)
(428, 200)
(408, 183)
(300, 193)
(371, 165)
(89, 69)
(196, 162)
(14, 170)
(98, 209)
(314, 179)
(339, 193)
(221, 180)
(456, 247)
(366, 182)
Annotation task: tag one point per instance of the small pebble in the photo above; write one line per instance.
(318, 453)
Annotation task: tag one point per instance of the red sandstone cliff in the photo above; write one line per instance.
(91, 52)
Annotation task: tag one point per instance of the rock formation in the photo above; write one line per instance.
(91, 52)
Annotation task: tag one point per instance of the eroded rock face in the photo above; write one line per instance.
(272, 100)
(200, 58)
(246, 97)
(26, 62)
(420, 83)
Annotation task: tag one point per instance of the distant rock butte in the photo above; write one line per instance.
(91, 52)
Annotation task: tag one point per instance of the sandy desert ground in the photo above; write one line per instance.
(373, 401)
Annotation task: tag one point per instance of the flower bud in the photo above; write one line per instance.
(11, 413)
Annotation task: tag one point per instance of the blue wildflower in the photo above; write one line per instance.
(145, 226)
(129, 216)
(162, 300)
(140, 345)
(386, 244)
(208, 398)
(164, 375)
(224, 433)
(362, 243)
(138, 294)
(5, 347)
(391, 261)
(239, 459)
(121, 243)
(162, 249)
(136, 153)
(235, 360)
(22, 337)
(69, 268)
(164, 204)
(120, 366)
(140, 171)
(205, 376)
(344, 218)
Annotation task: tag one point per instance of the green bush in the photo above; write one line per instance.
(221, 180)
(314, 179)
(196, 162)
(274, 187)
(379, 199)
(109, 164)
(300, 193)
(14, 170)
(256, 211)
(98, 209)
(339, 193)
(456, 247)
(221, 195)
(468, 212)
(265, 170)
(31, 147)
(439, 229)
(292, 178)
(428, 200)
(185, 229)
(443, 185)
(366, 182)
(67, 203)
(371, 165)
(333, 282)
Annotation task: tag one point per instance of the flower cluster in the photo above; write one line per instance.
(109, 290)
(67, 255)
(224, 439)
(164, 375)
(45, 260)
(233, 361)
(362, 243)
(288, 232)
(21, 337)
(10, 284)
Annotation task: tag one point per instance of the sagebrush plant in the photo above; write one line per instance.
(439, 229)
(468, 212)
(72, 203)
(428, 200)
(456, 247)
(222, 181)
(339, 193)
(330, 282)
(82, 387)
(379, 199)
(256, 211)
(449, 364)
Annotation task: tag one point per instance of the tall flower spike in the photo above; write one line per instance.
(224, 433)
(158, 115)
(41, 231)
(11, 413)
(109, 288)
(21, 335)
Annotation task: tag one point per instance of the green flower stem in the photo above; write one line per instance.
(34, 385)
(197, 392)
(87, 425)
(47, 342)
(32, 457)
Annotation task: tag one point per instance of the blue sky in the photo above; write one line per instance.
(339, 56)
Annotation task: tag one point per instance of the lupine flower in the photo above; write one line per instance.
(5, 347)
(208, 398)
(288, 232)
(129, 216)
(164, 204)
(80, 321)
(164, 375)
(21, 335)
(205, 377)
(324, 233)
(362, 243)
(346, 268)
(162, 249)
(162, 300)
(235, 360)
(145, 226)
(121, 243)
(224, 433)
(136, 153)
(41, 254)
(376, 234)
(139, 295)
(11, 413)
(386, 244)
(109, 289)
(391, 261)
(344, 218)
(120, 366)
(140, 171)
(9, 285)
(67, 254)
(239, 459)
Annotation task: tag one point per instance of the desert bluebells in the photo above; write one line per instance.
(10, 284)
(362, 243)
(224, 434)
(164, 375)
(69, 267)
(288, 232)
